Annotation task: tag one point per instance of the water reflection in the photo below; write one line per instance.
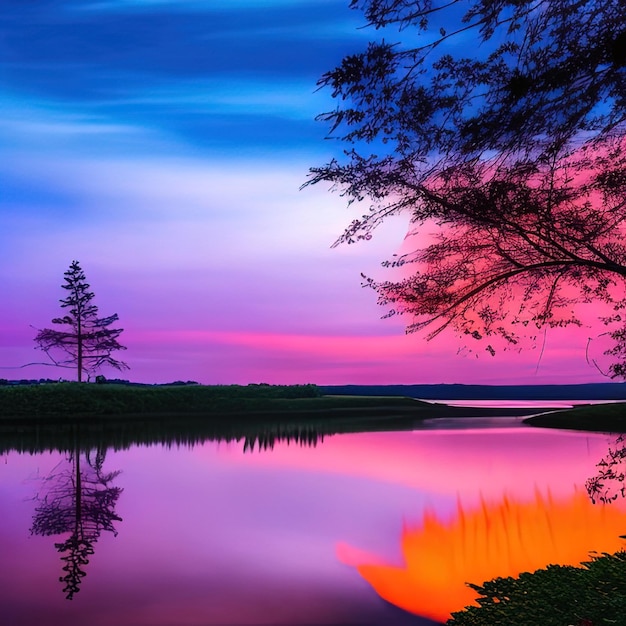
(224, 534)
(183, 431)
(497, 539)
(77, 498)
(266, 440)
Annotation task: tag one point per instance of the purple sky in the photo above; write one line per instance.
(162, 145)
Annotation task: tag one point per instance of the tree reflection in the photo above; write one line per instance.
(189, 431)
(77, 498)
(608, 484)
(267, 438)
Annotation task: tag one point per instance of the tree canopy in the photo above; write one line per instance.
(88, 342)
(499, 127)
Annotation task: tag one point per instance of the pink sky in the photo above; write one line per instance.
(223, 282)
(220, 269)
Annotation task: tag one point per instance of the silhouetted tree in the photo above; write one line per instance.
(89, 341)
(609, 482)
(78, 500)
(499, 127)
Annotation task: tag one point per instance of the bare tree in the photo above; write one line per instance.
(89, 342)
(500, 128)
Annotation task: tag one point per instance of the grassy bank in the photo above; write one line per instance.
(74, 400)
(595, 417)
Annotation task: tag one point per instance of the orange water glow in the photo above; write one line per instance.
(499, 539)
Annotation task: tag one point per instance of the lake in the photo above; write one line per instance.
(356, 528)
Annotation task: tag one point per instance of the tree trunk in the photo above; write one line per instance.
(79, 353)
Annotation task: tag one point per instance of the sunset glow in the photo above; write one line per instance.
(497, 539)
(172, 173)
(313, 312)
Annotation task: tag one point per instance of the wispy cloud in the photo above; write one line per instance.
(233, 97)
(162, 143)
(192, 5)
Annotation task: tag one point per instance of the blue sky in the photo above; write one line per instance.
(234, 77)
(163, 144)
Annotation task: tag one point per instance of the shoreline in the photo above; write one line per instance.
(32, 406)
(600, 418)
(80, 401)
(260, 428)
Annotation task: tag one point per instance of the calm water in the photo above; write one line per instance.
(295, 534)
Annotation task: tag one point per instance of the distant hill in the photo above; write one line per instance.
(590, 391)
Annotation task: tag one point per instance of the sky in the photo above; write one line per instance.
(162, 144)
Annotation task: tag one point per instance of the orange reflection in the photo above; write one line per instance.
(501, 539)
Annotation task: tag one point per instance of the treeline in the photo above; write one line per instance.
(588, 391)
(73, 399)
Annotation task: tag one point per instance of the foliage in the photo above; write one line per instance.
(89, 342)
(608, 484)
(538, 74)
(590, 595)
(70, 399)
(510, 160)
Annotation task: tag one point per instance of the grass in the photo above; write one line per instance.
(74, 400)
(595, 417)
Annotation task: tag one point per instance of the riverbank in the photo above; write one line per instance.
(66, 403)
(61, 416)
(81, 401)
(594, 417)
(68, 416)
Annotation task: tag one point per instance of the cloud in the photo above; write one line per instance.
(229, 96)
(163, 145)
(232, 117)
(211, 6)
